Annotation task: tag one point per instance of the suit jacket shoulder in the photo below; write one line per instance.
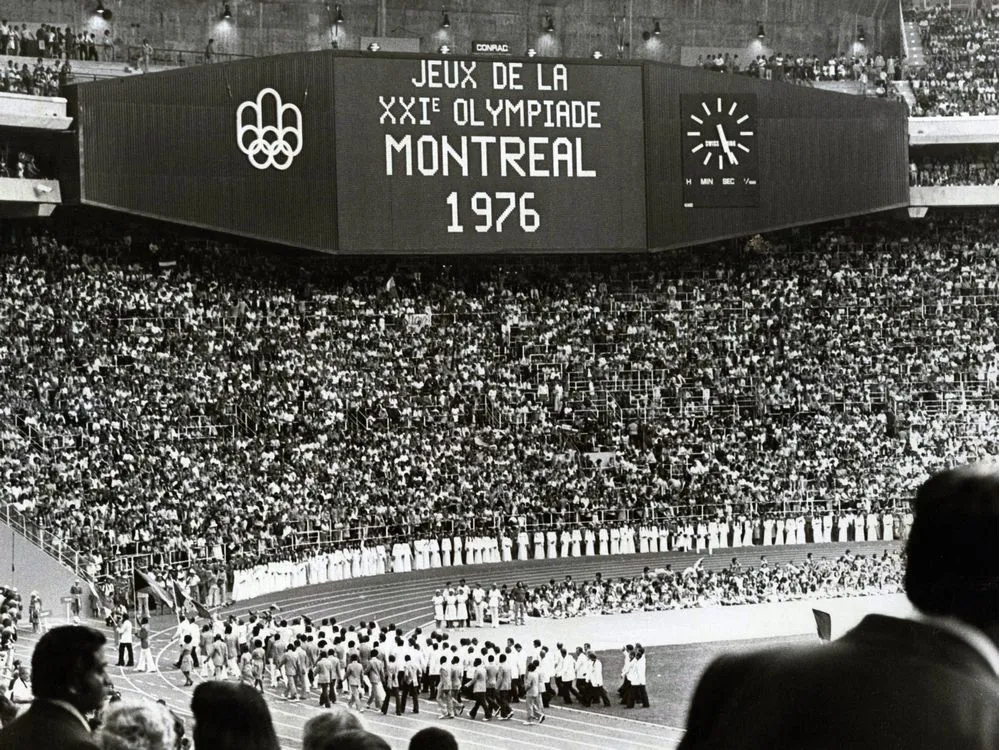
(46, 726)
(887, 683)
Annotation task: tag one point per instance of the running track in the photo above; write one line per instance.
(406, 601)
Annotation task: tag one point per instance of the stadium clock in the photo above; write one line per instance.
(719, 150)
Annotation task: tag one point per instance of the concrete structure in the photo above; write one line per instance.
(931, 131)
(262, 27)
(38, 112)
(957, 195)
(24, 565)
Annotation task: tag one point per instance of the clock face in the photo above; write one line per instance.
(719, 144)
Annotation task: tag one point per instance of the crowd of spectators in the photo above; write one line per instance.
(19, 163)
(42, 79)
(54, 42)
(960, 50)
(973, 167)
(696, 586)
(781, 66)
(154, 387)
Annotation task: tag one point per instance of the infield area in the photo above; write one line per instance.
(680, 644)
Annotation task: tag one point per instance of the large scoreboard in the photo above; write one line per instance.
(372, 153)
(472, 155)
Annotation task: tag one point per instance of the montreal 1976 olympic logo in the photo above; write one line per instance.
(268, 131)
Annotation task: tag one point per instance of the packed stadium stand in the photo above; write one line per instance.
(314, 393)
(958, 74)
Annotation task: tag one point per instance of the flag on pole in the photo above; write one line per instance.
(182, 599)
(145, 582)
(823, 624)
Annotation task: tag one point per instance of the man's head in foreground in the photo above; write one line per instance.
(951, 553)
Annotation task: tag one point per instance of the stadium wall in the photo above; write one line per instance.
(581, 26)
(26, 567)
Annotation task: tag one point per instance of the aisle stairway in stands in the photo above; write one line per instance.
(913, 48)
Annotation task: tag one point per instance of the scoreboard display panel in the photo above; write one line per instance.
(356, 153)
(474, 155)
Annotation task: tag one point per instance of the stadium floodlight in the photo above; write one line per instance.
(760, 30)
(550, 25)
(100, 8)
(445, 21)
(340, 15)
(227, 15)
(861, 34)
(656, 28)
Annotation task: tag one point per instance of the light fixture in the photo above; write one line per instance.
(226, 14)
(374, 47)
(532, 52)
(100, 8)
(445, 21)
(597, 54)
(550, 25)
(444, 49)
(340, 15)
(760, 30)
(861, 34)
(656, 28)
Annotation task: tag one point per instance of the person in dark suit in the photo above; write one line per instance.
(68, 680)
(925, 682)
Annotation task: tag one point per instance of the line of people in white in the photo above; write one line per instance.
(374, 666)
(704, 535)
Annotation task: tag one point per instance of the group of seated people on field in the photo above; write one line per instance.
(698, 586)
(960, 50)
(294, 401)
(974, 168)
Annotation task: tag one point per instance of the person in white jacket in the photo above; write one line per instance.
(596, 680)
(582, 668)
(565, 677)
(124, 629)
(637, 680)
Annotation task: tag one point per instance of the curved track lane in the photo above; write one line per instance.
(405, 600)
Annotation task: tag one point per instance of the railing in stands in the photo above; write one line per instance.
(44, 540)
(179, 57)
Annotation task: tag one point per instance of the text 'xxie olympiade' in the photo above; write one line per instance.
(505, 102)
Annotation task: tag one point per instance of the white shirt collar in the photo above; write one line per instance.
(972, 636)
(73, 710)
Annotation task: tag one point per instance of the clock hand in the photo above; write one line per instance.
(725, 143)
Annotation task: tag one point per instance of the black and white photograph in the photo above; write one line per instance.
(483, 375)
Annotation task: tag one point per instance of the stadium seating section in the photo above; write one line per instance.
(960, 52)
(221, 398)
